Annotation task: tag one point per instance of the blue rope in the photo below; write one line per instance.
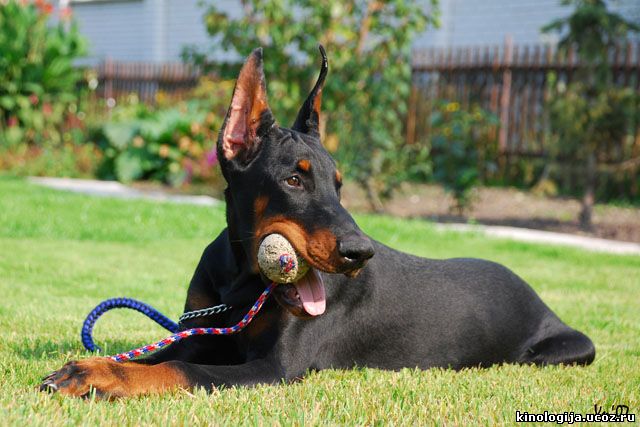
(103, 307)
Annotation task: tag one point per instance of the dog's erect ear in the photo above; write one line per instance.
(308, 119)
(249, 115)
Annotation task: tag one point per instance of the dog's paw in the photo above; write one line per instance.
(98, 375)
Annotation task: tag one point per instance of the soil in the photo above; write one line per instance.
(506, 207)
(491, 206)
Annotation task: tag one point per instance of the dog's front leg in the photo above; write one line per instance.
(109, 379)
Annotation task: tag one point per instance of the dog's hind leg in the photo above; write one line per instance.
(566, 347)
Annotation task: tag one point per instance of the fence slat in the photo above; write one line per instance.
(510, 81)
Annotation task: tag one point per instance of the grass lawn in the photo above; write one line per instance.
(61, 254)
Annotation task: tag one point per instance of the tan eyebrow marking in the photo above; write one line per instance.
(338, 177)
(304, 165)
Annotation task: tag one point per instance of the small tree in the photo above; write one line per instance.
(456, 137)
(586, 114)
(365, 95)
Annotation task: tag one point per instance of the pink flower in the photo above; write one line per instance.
(188, 168)
(33, 99)
(13, 121)
(66, 13)
(44, 6)
(212, 157)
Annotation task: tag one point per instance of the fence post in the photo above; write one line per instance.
(108, 78)
(505, 98)
(411, 116)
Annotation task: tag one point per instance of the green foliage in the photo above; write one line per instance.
(64, 160)
(457, 136)
(591, 29)
(584, 123)
(38, 80)
(589, 116)
(366, 92)
(174, 144)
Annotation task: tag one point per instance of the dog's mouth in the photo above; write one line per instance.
(304, 298)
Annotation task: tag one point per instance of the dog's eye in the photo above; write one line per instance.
(294, 181)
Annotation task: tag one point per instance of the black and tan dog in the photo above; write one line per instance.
(387, 311)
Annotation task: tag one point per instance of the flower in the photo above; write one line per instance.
(452, 107)
(138, 141)
(164, 151)
(44, 7)
(33, 99)
(212, 157)
(66, 13)
(184, 143)
(195, 128)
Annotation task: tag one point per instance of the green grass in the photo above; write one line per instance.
(61, 253)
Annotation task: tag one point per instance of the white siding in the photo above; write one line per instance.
(185, 26)
(158, 30)
(144, 30)
(488, 22)
(119, 30)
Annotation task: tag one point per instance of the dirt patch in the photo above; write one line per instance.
(504, 206)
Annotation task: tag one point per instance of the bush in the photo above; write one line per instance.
(174, 145)
(64, 160)
(38, 80)
(457, 136)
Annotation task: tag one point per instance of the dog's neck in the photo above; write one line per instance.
(235, 239)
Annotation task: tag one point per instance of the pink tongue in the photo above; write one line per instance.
(311, 291)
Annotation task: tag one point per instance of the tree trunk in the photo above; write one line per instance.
(372, 196)
(589, 193)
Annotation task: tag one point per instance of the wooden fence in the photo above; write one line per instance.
(510, 81)
(118, 79)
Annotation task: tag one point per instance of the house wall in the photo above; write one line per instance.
(144, 30)
(487, 22)
(157, 30)
(119, 30)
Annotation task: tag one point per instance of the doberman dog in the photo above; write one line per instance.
(390, 311)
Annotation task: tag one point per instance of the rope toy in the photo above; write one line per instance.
(277, 260)
(132, 354)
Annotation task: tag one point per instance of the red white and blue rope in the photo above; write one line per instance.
(122, 357)
(287, 263)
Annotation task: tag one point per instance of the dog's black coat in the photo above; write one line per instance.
(400, 311)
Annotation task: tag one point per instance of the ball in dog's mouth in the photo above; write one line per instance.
(303, 285)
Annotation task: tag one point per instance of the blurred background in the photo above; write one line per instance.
(502, 112)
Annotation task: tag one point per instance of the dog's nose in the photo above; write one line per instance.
(356, 249)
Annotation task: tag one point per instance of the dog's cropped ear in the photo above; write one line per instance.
(249, 116)
(308, 120)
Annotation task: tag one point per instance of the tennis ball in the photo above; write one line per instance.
(279, 261)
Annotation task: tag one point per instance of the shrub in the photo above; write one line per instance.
(64, 160)
(174, 145)
(38, 80)
(457, 136)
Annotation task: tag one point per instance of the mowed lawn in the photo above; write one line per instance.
(61, 254)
